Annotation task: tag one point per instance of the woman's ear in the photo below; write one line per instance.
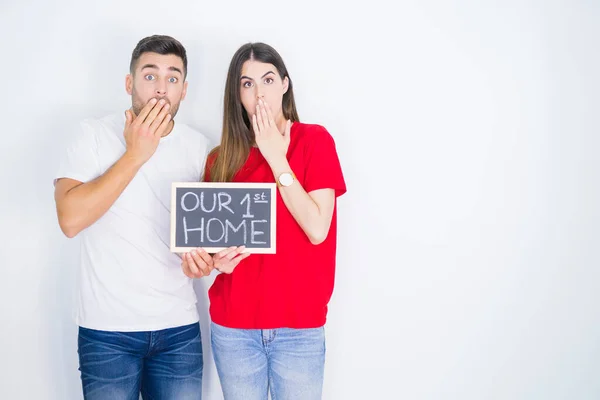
(286, 84)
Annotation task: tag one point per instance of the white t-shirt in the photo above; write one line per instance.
(129, 280)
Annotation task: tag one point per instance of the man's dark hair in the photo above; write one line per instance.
(160, 44)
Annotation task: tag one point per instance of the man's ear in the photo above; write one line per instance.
(184, 92)
(129, 84)
(286, 84)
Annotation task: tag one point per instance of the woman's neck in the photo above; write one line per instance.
(280, 121)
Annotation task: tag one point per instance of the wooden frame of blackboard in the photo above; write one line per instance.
(272, 187)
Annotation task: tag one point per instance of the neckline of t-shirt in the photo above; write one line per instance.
(170, 135)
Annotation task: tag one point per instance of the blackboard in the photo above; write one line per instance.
(217, 215)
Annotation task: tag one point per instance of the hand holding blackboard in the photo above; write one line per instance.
(217, 215)
(198, 263)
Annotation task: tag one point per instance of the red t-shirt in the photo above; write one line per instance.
(289, 289)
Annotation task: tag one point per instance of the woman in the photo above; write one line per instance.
(268, 311)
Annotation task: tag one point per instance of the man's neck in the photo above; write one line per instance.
(169, 128)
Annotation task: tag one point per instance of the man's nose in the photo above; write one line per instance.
(161, 89)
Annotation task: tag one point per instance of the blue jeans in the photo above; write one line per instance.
(162, 365)
(288, 362)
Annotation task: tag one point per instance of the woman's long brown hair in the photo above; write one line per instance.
(237, 137)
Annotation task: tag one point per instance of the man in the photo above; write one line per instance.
(137, 316)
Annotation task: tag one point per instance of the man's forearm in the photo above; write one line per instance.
(82, 205)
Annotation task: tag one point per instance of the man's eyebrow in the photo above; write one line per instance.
(154, 66)
(247, 77)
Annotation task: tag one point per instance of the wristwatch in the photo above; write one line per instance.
(285, 179)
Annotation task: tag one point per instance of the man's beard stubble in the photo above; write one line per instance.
(137, 105)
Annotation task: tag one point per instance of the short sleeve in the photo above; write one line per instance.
(323, 169)
(80, 159)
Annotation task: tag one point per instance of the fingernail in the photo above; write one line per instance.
(153, 100)
(162, 102)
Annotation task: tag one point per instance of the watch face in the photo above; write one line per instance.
(286, 179)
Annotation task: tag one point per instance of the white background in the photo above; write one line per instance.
(467, 130)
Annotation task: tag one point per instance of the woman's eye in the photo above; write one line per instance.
(247, 84)
(269, 80)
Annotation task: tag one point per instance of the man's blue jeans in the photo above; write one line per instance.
(165, 364)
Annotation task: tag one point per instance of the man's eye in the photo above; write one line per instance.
(149, 77)
(173, 80)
